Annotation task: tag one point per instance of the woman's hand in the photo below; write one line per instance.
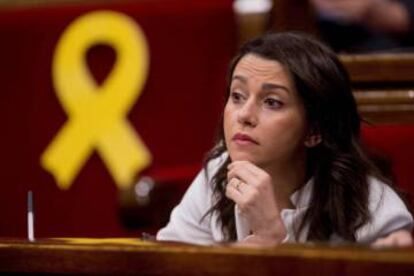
(251, 189)
(400, 238)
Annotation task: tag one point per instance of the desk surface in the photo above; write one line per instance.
(128, 256)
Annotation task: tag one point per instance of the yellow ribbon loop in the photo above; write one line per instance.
(97, 114)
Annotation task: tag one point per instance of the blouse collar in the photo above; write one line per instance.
(301, 197)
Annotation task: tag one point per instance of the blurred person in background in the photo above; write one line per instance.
(366, 25)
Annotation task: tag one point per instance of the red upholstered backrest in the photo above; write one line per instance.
(396, 142)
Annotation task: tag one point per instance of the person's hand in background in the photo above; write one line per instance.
(385, 16)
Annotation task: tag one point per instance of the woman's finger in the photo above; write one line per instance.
(244, 172)
(245, 165)
(232, 190)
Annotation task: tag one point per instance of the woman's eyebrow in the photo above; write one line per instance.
(273, 86)
(240, 78)
(265, 86)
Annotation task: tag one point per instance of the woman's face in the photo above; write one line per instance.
(264, 118)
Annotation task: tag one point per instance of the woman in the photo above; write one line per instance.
(288, 165)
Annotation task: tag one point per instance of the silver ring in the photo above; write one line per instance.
(237, 185)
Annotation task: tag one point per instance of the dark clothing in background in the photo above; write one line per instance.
(343, 37)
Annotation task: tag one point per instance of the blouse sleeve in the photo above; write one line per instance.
(187, 222)
(388, 213)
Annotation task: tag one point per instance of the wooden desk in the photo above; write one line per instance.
(127, 256)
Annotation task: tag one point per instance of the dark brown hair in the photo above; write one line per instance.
(339, 165)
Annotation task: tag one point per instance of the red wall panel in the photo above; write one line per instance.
(190, 43)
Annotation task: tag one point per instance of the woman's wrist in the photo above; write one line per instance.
(273, 230)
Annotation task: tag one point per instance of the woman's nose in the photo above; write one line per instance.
(247, 114)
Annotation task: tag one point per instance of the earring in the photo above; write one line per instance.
(313, 140)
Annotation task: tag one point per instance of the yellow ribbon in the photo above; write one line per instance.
(96, 114)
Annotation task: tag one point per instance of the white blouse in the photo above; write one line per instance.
(388, 213)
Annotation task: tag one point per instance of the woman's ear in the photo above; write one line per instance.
(313, 139)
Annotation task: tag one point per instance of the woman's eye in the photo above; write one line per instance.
(236, 97)
(273, 103)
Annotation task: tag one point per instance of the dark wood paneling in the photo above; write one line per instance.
(384, 86)
(371, 68)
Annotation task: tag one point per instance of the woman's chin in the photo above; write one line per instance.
(243, 157)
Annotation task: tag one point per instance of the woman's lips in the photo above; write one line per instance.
(244, 139)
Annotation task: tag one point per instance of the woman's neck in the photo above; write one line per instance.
(286, 180)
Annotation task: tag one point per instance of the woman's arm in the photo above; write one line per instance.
(185, 223)
(390, 219)
(399, 238)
